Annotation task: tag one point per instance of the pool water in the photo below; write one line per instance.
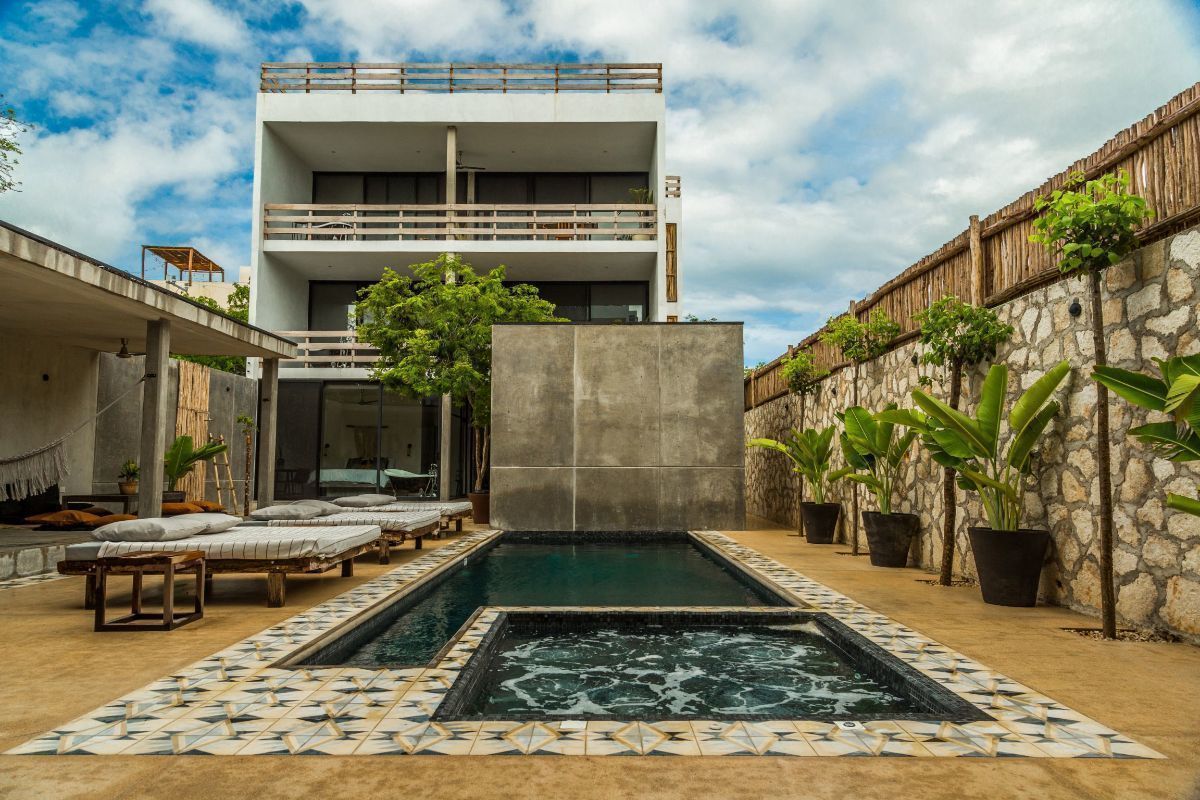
(517, 573)
(780, 671)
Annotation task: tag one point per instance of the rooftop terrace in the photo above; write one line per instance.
(448, 78)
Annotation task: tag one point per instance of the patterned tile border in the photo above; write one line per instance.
(30, 580)
(236, 702)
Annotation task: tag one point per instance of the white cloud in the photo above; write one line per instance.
(199, 21)
(823, 145)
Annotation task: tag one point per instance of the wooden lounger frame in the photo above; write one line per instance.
(276, 569)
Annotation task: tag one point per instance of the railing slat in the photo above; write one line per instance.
(454, 77)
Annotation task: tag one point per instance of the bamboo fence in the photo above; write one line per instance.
(992, 261)
(191, 419)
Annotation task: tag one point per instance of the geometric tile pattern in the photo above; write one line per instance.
(237, 702)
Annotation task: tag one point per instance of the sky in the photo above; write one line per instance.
(824, 145)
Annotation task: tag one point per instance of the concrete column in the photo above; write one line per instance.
(268, 417)
(451, 164)
(444, 455)
(154, 418)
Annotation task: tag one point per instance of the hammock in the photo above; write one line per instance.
(35, 471)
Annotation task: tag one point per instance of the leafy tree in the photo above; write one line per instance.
(434, 335)
(237, 307)
(10, 127)
(860, 342)
(1091, 225)
(802, 373)
(956, 334)
(1176, 392)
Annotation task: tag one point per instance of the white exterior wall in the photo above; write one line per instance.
(341, 131)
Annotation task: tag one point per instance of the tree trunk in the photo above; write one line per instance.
(481, 440)
(1108, 600)
(853, 485)
(949, 500)
(246, 481)
(800, 478)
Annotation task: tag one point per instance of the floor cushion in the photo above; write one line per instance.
(64, 519)
(174, 509)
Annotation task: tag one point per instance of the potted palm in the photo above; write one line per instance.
(183, 455)
(127, 478)
(640, 197)
(1175, 392)
(875, 454)
(1008, 558)
(811, 452)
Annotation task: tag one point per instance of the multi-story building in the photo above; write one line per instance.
(553, 170)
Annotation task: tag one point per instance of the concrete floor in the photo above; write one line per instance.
(55, 668)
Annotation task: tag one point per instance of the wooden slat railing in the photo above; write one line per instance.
(329, 349)
(673, 186)
(422, 77)
(470, 222)
(992, 261)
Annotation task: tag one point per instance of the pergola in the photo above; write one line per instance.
(188, 260)
(54, 293)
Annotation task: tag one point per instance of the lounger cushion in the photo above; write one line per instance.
(64, 519)
(215, 523)
(364, 500)
(285, 512)
(151, 529)
(322, 506)
(173, 509)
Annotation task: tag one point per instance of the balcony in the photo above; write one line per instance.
(460, 222)
(307, 78)
(328, 350)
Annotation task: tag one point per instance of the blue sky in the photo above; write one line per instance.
(823, 145)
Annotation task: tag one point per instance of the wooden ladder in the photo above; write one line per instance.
(220, 460)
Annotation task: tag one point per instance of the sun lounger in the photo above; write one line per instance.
(452, 510)
(396, 527)
(275, 551)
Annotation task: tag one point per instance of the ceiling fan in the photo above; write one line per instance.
(363, 400)
(459, 165)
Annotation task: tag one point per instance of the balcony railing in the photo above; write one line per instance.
(448, 78)
(464, 222)
(329, 350)
(673, 186)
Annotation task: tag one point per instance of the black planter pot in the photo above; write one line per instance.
(820, 521)
(890, 536)
(1009, 564)
(481, 507)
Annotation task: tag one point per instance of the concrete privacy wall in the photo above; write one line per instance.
(118, 431)
(1150, 308)
(617, 427)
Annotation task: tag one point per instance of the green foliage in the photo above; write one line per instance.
(811, 452)
(1177, 393)
(1092, 224)
(247, 423)
(861, 341)
(434, 335)
(958, 333)
(182, 456)
(237, 307)
(748, 371)
(802, 373)
(972, 447)
(641, 196)
(873, 452)
(10, 127)
(129, 471)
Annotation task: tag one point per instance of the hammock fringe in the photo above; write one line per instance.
(34, 473)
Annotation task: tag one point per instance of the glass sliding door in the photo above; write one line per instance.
(409, 445)
(350, 439)
(298, 441)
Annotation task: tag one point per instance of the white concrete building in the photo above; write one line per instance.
(556, 171)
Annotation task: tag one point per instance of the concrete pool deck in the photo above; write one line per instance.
(58, 670)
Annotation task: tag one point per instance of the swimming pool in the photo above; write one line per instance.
(546, 570)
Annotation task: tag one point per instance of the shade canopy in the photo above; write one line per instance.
(50, 292)
(185, 259)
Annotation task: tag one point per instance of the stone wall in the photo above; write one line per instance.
(1150, 311)
(617, 427)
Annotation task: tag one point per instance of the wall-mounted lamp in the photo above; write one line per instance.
(124, 351)
(915, 360)
(1074, 309)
